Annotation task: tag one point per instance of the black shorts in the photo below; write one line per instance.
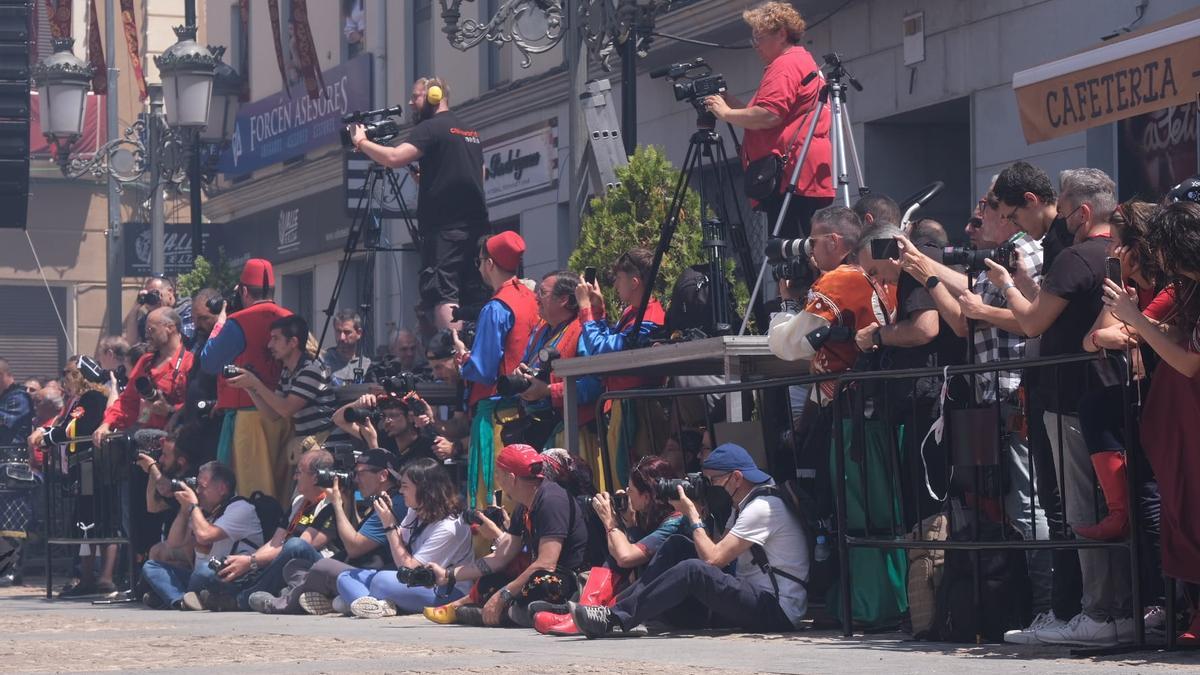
(448, 270)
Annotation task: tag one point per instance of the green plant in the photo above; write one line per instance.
(206, 274)
(631, 215)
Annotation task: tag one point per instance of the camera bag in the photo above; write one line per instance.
(764, 176)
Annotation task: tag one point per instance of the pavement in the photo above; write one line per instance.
(74, 636)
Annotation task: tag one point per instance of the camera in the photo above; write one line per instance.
(515, 385)
(620, 501)
(217, 564)
(780, 250)
(694, 485)
(145, 388)
(469, 313)
(325, 477)
(400, 385)
(362, 415)
(151, 298)
(178, 483)
(819, 336)
(417, 577)
(493, 513)
(230, 371)
(378, 125)
(92, 372)
(698, 82)
(973, 259)
(789, 260)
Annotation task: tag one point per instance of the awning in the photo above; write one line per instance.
(1144, 71)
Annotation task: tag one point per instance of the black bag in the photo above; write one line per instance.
(764, 176)
(691, 308)
(270, 514)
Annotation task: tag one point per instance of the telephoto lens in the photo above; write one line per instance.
(359, 415)
(178, 483)
(325, 477)
(511, 385)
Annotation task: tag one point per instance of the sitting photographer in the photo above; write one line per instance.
(779, 114)
(312, 578)
(546, 525)
(304, 394)
(432, 532)
(765, 541)
(216, 523)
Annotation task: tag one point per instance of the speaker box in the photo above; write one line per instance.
(14, 112)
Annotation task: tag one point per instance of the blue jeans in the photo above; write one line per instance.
(169, 582)
(385, 585)
(271, 580)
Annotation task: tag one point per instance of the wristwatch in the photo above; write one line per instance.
(253, 563)
(507, 596)
(932, 282)
(877, 338)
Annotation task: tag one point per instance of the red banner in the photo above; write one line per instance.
(92, 137)
(96, 53)
(59, 12)
(243, 64)
(306, 51)
(273, 6)
(129, 19)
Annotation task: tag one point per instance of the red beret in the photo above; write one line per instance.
(258, 273)
(506, 249)
(521, 460)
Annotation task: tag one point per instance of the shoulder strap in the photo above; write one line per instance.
(758, 554)
(887, 319)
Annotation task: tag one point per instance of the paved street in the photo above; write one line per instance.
(62, 636)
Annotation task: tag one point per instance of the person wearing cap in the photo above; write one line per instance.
(546, 524)
(251, 443)
(501, 333)
(450, 419)
(451, 206)
(765, 592)
(402, 436)
(314, 589)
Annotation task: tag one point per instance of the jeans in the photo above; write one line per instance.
(272, 579)
(1026, 513)
(1105, 572)
(385, 585)
(169, 582)
(305, 577)
(1067, 585)
(675, 575)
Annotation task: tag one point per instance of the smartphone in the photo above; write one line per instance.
(885, 249)
(589, 275)
(1112, 270)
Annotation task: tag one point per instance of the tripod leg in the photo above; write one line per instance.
(736, 229)
(848, 138)
(842, 183)
(361, 213)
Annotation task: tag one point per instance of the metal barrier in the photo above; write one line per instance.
(848, 385)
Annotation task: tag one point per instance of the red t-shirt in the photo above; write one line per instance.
(782, 93)
(1161, 306)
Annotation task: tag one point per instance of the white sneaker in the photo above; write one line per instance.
(367, 607)
(1083, 631)
(340, 606)
(1026, 636)
(1126, 631)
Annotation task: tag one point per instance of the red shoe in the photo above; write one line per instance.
(555, 624)
(1191, 636)
(1110, 472)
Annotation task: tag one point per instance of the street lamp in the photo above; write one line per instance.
(187, 71)
(63, 80)
(226, 98)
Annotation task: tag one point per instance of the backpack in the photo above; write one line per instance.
(691, 309)
(270, 515)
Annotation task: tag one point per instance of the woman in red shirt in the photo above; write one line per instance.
(777, 117)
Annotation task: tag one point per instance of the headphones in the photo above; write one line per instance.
(434, 96)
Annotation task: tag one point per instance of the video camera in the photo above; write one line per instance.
(378, 124)
(698, 82)
(515, 385)
(974, 259)
(694, 485)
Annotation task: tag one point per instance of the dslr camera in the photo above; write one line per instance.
(145, 388)
(417, 577)
(620, 501)
(378, 124)
(151, 298)
(217, 564)
(692, 81)
(492, 513)
(515, 385)
(230, 301)
(325, 477)
(177, 484)
(789, 260)
(973, 259)
(694, 485)
(230, 370)
(363, 415)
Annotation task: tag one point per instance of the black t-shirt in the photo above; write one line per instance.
(946, 348)
(422, 447)
(1076, 276)
(1056, 240)
(201, 386)
(554, 514)
(450, 192)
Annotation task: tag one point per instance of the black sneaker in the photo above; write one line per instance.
(469, 615)
(150, 599)
(538, 606)
(79, 590)
(598, 622)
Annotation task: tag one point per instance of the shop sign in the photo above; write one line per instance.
(520, 163)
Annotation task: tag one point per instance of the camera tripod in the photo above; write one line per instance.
(841, 135)
(364, 237)
(706, 147)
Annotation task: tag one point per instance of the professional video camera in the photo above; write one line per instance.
(417, 577)
(92, 372)
(698, 82)
(378, 124)
(694, 485)
(973, 259)
(514, 385)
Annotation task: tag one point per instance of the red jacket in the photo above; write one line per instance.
(170, 378)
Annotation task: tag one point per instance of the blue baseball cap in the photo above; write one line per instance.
(729, 457)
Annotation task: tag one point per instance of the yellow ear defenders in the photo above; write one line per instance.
(433, 96)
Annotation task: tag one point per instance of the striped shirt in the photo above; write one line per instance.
(311, 382)
(996, 344)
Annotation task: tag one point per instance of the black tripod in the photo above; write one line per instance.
(707, 147)
(364, 237)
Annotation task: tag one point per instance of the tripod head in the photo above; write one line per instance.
(835, 71)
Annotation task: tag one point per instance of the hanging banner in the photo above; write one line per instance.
(96, 53)
(273, 7)
(129, 19)
(1142, 72)
(306, 50)
(243, 65)
(60, 17)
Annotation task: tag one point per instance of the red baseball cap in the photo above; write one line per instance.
(521, 460)
(258, 273)
(506, 249)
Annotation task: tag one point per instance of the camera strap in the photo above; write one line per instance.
(758, 554)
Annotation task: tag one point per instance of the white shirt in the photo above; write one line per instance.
(240, 524)
(767, 522)
(446, 543)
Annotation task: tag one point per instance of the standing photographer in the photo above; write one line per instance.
(201, 398)
(157, 292)
(779, 114)
(451, 207)
(16, 421)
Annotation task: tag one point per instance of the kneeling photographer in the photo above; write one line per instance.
(432, 532)
(398, 418)
(765, 540)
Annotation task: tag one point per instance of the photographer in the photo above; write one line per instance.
(201, 393)
(450, 420)
(403, 437)
(213, 520)
(546, 525)
(256, 447)
(764, 539)
(432, 532)
(304, 394)
(451, 207)
(16, 422)
(345, 363)
(157, 382)
(312, 578)
(778, 115)
(157, 292)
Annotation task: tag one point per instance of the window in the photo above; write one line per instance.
(422, 41)
(354, 28)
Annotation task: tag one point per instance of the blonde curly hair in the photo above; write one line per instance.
(772, 16)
